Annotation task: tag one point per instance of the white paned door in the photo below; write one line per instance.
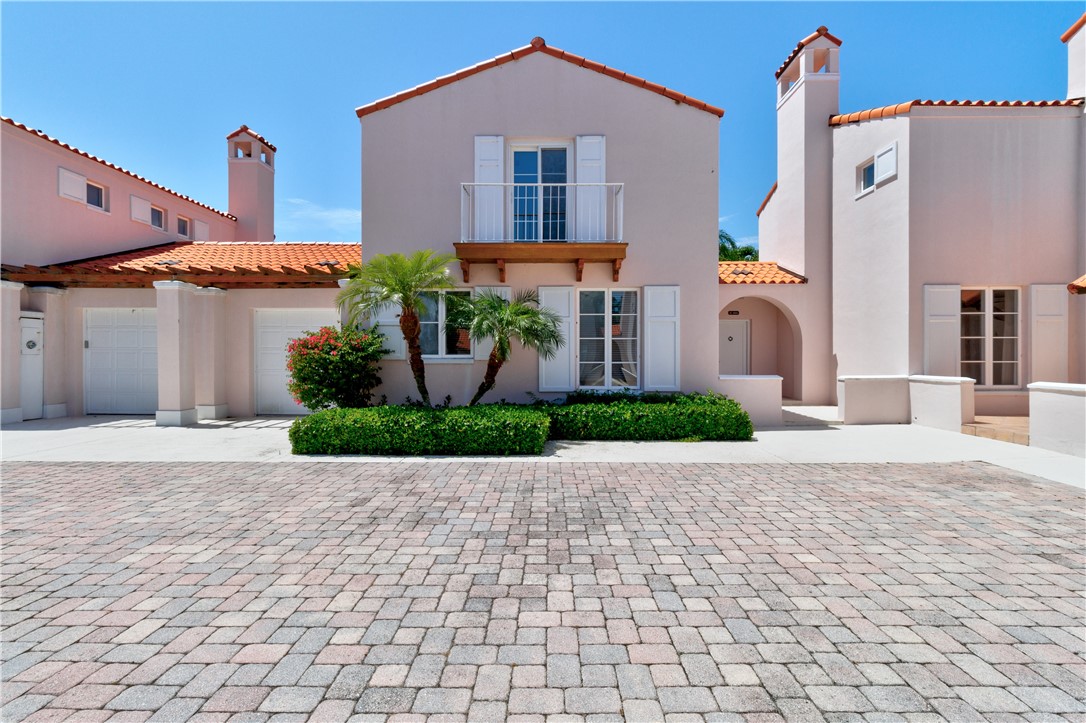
(272, 331)
(120, 361)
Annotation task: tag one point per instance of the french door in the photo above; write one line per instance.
(539, 198)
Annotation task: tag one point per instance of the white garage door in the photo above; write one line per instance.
(120, 361)
(273, 330)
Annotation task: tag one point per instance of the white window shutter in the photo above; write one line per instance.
(72, 185)
(591, 202)
(489, 207)
(1048, 305)
(202, 232)
(886, 163)
(484, 347)
(942, 330)
(559, 373)
(388, 323)
(141, 210)
(662, 340)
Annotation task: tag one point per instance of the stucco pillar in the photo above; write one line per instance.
(344, 313)
(210, 351)
(175, 303)
(11, 409)
(54, 304)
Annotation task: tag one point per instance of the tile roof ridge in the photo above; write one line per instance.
(246, 129)
(821, 32)
(44, 136)
(537, 44)
(901, 108)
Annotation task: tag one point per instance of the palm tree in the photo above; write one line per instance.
(491, 315)
(730, 250)
(395, 280)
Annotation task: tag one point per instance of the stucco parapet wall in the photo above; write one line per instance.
(207, 290)
(44, 289)
(873, 377)
(925, 379)
(181, 285)
(1078, 390)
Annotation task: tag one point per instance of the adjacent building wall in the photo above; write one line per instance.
(38, 226)
(416, 154)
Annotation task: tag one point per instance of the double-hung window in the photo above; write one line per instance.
(608, 339)
(436, 342)
(539, 197)
(990, 337)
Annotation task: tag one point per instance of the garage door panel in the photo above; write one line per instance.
(120, 363)
(273, 330)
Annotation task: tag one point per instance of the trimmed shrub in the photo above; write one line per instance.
(682, 416)
(482, 430)
(334, 367)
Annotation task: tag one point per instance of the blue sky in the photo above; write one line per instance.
(155, 87)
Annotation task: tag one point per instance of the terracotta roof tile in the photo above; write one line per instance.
(1070, 32)
(246, 129)
(1078, 286)
(249, 256)
(822, 32)
(765, 201)
(538, 45)
(96, 159)
(757, 272)
(902, 108)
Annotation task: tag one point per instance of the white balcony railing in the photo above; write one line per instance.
(537, 212)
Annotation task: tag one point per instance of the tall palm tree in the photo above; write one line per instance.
(491, 315)
(394, 280)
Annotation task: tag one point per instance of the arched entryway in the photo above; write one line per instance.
(761, 336)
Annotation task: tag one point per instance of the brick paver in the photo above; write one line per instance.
(518, 590)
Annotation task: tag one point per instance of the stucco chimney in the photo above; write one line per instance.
(251, 164)
(1075, 39)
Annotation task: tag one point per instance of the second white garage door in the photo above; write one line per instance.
(120, 361)
(273, 330)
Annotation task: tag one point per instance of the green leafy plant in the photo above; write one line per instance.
(684, 416)
(481, 430)
(398, 281)
(490, 315)
(728, 249)
(334, 367)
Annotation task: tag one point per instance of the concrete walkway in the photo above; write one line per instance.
(808, 438)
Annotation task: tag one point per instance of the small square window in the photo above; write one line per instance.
(867, 176)
(96, 196)
(183, 227)
(158, 218)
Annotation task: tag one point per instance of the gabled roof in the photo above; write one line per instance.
(205, 263)
(115, 167)
(1070, 32)
(246, 129)
(757, 272)
(1078, 286)
(902, 108)
(538, 45)
(822, 32)
(765, 201)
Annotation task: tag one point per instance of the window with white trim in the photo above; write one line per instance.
(97, 196)
(990, 351)
(436, 342)
(608, 339)
(184, 227)
(875, 170)
(867, 176)
(158, 218)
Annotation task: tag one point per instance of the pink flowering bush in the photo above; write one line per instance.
(334, 367)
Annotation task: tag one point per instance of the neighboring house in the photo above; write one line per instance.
(123, 296)
(540, 169)
(932, 237)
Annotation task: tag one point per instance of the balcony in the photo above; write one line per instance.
(507, 223)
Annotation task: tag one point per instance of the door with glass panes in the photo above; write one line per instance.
(539, 197)
(608, 339)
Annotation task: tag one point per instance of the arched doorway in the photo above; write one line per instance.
(761, 336)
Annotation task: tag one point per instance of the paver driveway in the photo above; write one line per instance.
(509, 589)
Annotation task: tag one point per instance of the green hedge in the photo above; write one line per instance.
(682, 416)
(483, 430)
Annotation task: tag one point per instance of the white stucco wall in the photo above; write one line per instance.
(38, 226)
(416, 154)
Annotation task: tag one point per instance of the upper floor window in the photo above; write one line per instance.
(76, 187)
(158, 218)
(183, 227)
(877, 169)
(96, 195)
(436, 341)
(539, 197)
(867, 176)
(990, 337)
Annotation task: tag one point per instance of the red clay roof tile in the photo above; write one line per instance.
(822, 32)
(1070, 32)
(757, 272)
(537, 45)
(902, 108)
(246, 129)
(1078, 286)
(107, 164)
(247, 256)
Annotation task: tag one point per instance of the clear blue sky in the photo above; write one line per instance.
(155, 87)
